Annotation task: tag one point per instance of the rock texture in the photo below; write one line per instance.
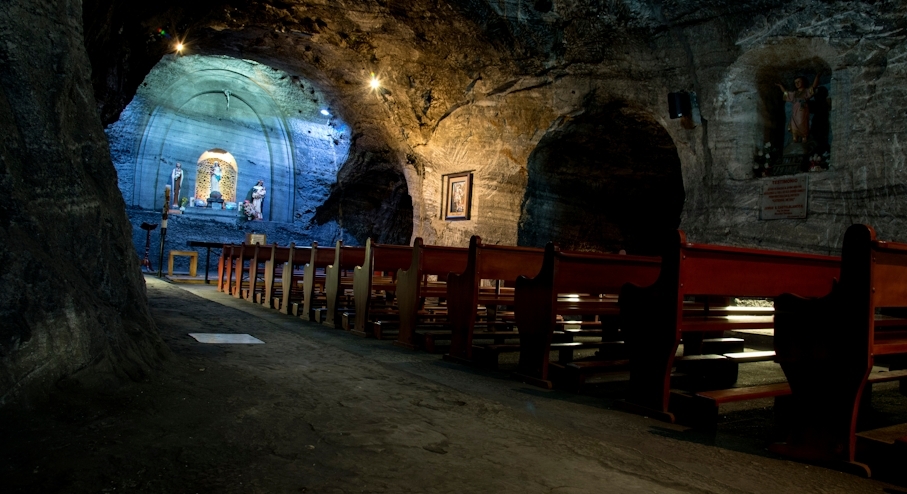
(607, 180)
(275, 127)
(479, 86)
(498, 89)
(72, 300)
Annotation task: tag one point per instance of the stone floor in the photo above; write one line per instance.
(319, 410)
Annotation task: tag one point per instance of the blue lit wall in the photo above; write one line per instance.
(274, 127)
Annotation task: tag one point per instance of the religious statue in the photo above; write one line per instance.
(458, 201)
(258, 195)
(176, 178)
(216, 175)
(799, 117)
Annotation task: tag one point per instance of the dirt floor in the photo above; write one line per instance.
(318, 410)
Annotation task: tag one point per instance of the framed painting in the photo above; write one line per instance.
(458, 196)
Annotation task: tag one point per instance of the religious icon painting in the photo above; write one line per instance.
(457, 196)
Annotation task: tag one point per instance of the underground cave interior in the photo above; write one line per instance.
(554, 110)
(603, 181)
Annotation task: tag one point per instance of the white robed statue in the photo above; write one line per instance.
(176, 179)
(258, 196)
(216, 174)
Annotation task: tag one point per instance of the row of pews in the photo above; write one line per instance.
(840, 323)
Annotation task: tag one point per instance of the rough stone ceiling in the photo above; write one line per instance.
(436, 56)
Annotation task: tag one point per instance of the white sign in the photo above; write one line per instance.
(784, 197)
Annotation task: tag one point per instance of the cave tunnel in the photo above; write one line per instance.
(607, 180)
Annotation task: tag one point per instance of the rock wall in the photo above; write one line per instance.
(522, 70)
(275, 127)
(72, 300)
(466, 86)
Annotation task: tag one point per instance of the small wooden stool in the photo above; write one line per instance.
(193, 261)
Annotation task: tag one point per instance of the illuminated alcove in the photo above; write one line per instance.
(270, 121)
(216, 171)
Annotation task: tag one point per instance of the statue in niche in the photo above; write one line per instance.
(258, 196)
(216, 175)
(227, 93)
(176, 179)
(799, 118)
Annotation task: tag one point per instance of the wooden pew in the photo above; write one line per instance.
(382, 258)
(261, 254)
(827, 346)
(656, 317)
(274, 270)
(413, 286)
(245, 253)
(291, 277)
(311, 279)
(485, 262)
(570, 284)
(225, 267)
(335, 283)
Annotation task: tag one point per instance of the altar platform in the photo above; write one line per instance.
(220, 215)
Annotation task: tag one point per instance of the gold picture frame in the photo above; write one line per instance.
(457, 196)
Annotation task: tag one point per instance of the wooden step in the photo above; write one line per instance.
(744, 357)
(722, 346)
(731, 395)
(887, 376)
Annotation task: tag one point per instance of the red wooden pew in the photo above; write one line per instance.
(570, 284)
(413, 285)
(657, 317)
(313, 281)
(499, 263)
(338, 279)
(292, 276)
(828, 346)
(384, 259)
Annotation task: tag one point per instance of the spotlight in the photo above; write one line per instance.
(325, 113)
(374, 83)
(179, 47)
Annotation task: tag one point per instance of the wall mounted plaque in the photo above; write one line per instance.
(784, 197)
(256, 238)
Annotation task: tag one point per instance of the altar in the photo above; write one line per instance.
(219, 215)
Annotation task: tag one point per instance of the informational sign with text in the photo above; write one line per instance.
(784, 197)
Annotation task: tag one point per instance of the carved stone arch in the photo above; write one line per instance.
(260, 140)
(205, 168)
(605, 180)
(749, 110)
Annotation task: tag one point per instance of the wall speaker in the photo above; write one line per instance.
(679, 104)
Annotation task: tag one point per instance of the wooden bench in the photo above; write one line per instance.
(312, 279)
(381, 258)
(261, 254)
(273, 273)
(656, 318)
(827, 346)
(240, 282)
(225, 266)
(570, 284)
(413, 285)
(485, 262)
(292, 276)
(338, 279)
(193, 261)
